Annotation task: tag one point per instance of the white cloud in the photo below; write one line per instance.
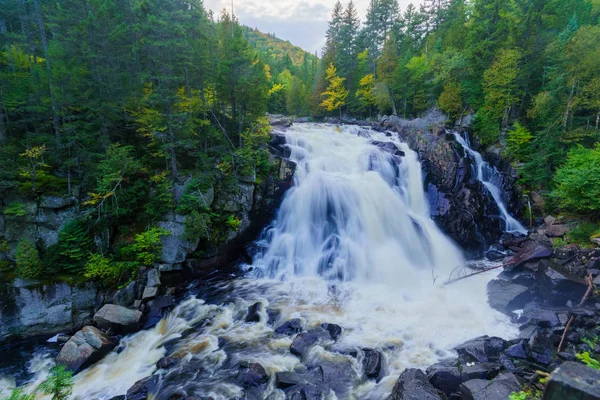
(303, 22)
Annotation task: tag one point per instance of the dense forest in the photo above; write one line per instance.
(114, 103)
(527, 70)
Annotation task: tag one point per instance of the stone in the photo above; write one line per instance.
(83, 349)
(372, 363)
(288, 379)
(498, 389)
(573, 381)
(142, 389)
(549, 220)
(153, 278)
(303, 341)
(531, 252)
(541, 347)
(447, 375)
(556, 288)
(517, 350)
(175, 245)
(157, 310)
(481, 349)
(413, 385)
(126, 296)
(252, 375)
(542, 317)
(253, 314)
(335, 331)
(149, 293)
(557, 230)
(506, 296)
(290, 327)
(118, 319)
(494, 255)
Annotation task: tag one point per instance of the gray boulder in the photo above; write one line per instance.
(531, 252)
(498, 389)
(506, 296)
(413, 385)
(573, 381)
(118, 319)
(83, 349)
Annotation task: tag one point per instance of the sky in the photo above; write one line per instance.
(302, 22)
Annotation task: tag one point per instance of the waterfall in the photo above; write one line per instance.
(357, 211)
(487, 174)
(352, 244)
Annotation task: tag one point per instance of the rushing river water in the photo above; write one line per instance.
(352, 244)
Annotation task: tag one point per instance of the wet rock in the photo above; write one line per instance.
(158, 309)
(447, 375)
(303, 341)
(306, 391)
(481, 349)
(517, 350)
(149, 293)
(541, 347)
(290, 327)
(335, 331)
(153, 278)
(166, 363)
(118, 319)
(83, 349)
(494, 255)
(575, 381)
(273, 316)
(288, 379)
(413, 385)
(251, 375)
(280, 120)
(540, 316)
(142, 389)
(498, 389)
(507, 296)
(253, 314)
(556, 288)
(336, 375)
(372, 363)
(531, 252)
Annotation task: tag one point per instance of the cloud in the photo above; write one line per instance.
(303, 22)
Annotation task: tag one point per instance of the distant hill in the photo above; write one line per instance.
(268, 43)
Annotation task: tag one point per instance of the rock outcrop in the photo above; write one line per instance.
(83, 349)
(118, 319)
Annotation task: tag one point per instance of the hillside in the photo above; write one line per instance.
(269, 44)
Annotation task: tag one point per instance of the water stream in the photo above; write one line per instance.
(489, 176)
(352, 244)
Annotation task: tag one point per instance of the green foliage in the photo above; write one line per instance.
(105, 270)
(69, 254)
(161, 197)
(450, 100)
(578, 181)
(336, 93)
(197, 226)
(19, 394)
(15, 209)
(582, 233)
(59, 383)
(588, 360)
(531, 394)
(518, 140)
(147, 246)
(27, 260)
(233, 222)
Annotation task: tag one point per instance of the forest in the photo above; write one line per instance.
(116, 102)
(526, 70)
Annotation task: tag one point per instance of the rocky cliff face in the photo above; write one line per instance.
(30, 308)
(459, 203)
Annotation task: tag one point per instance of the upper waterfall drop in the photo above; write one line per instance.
(485, 174)
(357, 211)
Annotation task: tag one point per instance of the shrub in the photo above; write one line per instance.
(59, 383)
(587, 359)
(578, 181)
(147, 245)
(71, 251)
(19, 394)
(28, 261)
(103, 269)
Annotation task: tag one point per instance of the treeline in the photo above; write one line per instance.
(115, 102)
(526, 69)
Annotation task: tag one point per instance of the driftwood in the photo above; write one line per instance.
(590, 283)
(473, 274)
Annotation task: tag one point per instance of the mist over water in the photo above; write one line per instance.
(352, 244)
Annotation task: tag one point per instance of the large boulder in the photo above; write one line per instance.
(118, 319)
(506, 296)
(555, 288)
(447, 375)
(573, 381)
(481, 349)
(290, 327)
(372, 363)
(86, 347)
(305, 340)
(252, 375)
(413, 385)
(531, 252)
(497, 389)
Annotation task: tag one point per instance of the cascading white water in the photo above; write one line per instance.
(486, 174)
(353, 245)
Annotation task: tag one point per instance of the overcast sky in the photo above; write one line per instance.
(302, 22)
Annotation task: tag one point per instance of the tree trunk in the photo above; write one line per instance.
(44, 40)
(172, 153)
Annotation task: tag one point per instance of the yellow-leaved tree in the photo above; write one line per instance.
(336, 93)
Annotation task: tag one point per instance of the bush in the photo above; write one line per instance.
(578, 181)
(147, 246)
(103, 269)
(29, 265)
(518, 141)
(59, 383)
(71, 251)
